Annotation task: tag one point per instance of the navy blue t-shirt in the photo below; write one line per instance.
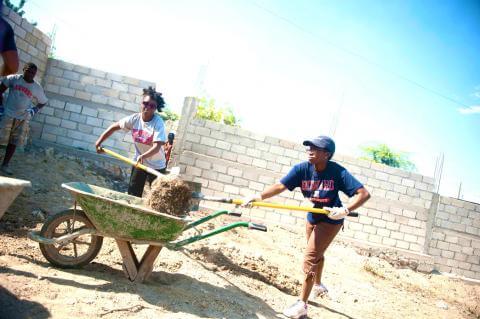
(321, 188)
(7, 40)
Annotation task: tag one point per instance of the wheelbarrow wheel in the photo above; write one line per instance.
(79, 251)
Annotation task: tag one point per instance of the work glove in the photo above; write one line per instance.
(337, 213)
(31, 112)
(248, 200)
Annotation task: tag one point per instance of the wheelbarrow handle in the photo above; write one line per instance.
(129, 161)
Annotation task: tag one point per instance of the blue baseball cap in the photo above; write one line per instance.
(324, 142)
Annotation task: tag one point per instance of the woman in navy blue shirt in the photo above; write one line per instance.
(320, 180)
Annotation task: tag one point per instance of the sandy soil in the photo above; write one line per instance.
(238, 274)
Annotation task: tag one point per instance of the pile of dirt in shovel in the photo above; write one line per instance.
(170, 195)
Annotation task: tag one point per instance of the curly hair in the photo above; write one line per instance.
(157, 96)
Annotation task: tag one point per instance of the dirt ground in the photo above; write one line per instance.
(237, 274)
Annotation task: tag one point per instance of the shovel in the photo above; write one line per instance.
(129, 161)
(198, 195)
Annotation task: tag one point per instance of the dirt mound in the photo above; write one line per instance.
(254, 267)
(170, 196)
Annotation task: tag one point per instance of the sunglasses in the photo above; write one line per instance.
(314, 148)
(149, 105)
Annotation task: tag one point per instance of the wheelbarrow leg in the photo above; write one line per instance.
(146, 265)
(137, 271)
(130, 261)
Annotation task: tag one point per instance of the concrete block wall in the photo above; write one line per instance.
(83, 102)
(233, 162)
(32, 44)
(455, 242)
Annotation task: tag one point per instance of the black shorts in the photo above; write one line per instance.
(138, 178)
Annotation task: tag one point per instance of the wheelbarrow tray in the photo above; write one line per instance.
(9, 190)
(123, 216)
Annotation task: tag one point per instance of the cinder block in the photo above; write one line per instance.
(81, 69)
(198, 172)
(203, 164)
(268, 180)
(238, 149)
(223, 145)
(97, 73)
(201, 139)
(85, 128)
(55, 121)
(409, 213)
(438, 235)
(54, 130)
(83, 95)
(354, 226)
(426, 195)
(210, 175)
(407, 182)
(391, 195)
(283, 160)
(97, 98)
(243, 159)
(383, 232)
(225, 179)
(413, 192)
(464, 265)
(259, 163)
(365, 220)
(410, 238)
(415, 247)
(256, 186)
(460, 256)
(386, 185)
(400, 189)
(81, 144)
(379, 223)
(388, 217)
(71, 75)
(247, 142)
(396, 235)
(361, 235)
(260, 146)
(231, 189)
(392, 226)
(52, 88)
(443, 245)
(389, 241)
(381, 176)
(415, 223)
(217, 135)
(402, 244)
(49, 137)
(73, 107)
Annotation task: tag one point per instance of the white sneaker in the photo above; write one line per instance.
(319, 291)
(297, 311)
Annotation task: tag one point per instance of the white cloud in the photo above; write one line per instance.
(476, 92)
(470, 110)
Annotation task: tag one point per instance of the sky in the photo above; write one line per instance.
(404, 73)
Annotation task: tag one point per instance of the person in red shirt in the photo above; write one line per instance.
(168, 146)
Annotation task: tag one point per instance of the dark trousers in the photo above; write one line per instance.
(138, 178)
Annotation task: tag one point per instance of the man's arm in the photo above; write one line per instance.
(361, 196)
(10, 62)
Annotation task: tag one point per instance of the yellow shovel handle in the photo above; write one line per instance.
(129, 161)
(281, 206)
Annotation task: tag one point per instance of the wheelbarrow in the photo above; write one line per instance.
(10, 188)
(74, 237)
